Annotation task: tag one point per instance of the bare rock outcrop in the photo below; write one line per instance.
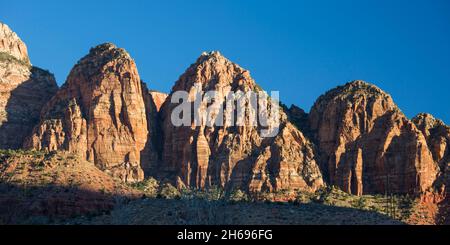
(100, 114)
(299, 118)
(48, 181)
(24, 90)
(151, 154)
(367, 145)
(438, 139)
(233, 156)
(158, 98)
(11, 44)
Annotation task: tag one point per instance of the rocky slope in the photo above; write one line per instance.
(106, 125)
(36, 187)
(202, 212)
(367, 145)
(24, 90)
(61, 188)
(233, 156)
(437, 135)
(100, 114)
(438, 139)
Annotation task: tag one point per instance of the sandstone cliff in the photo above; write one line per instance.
(158, 98)
(151, 154)
(233, 156)
(100, 114)
(367, 145)
(11, 44)
(437, 135)
(299, 118)
(24, 90)
(438, 139)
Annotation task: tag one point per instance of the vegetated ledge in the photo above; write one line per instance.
(7, 58)
(59, 188)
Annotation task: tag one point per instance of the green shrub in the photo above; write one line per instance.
(303, 198)
(20, 152)
(213, 194)
(168, 191)
(5, 57)
(149, 186)
(360, 203)
(238, 196)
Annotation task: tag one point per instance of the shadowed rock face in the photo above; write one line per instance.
(367, 145)
(232, 156)
(438, 139)
(23, 90)
(151, 154)
(99, 113)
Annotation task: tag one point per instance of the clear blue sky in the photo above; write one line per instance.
(301, 48)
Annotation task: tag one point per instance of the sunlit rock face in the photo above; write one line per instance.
(232, 156)
(100, 114)
(158, 98)
(367, 145)
(24, 90)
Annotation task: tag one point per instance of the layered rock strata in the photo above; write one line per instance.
(101, 114)
(24, 90)
(367, 145)
(233, 156)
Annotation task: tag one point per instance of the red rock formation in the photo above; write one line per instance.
(438, 139)
(151, 154)
(367, 145)
(48, 181)
(99, 113)
(158, 98)
(232, 156)
(11, 44)
(23, 90)
(299, 118)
